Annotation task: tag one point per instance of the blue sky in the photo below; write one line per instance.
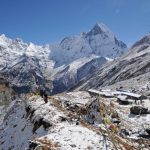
(46, 21)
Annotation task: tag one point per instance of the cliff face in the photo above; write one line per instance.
(6, 93)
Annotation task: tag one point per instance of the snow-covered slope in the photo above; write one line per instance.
(73, 121)
(132, 70)
(69, 75)
(39, 122)
(60, 65)
(23, 72)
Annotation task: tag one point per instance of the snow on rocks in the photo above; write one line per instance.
(35, 121)
(73, 120)
(16, 130)
(43, 114)
(77, 137)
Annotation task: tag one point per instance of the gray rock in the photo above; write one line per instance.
(148, 131)
(138, 110)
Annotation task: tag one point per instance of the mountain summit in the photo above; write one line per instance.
(98, 41)
(100, 28)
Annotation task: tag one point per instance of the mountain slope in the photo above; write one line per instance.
(23, 72)
(71, 74)
(132, 70)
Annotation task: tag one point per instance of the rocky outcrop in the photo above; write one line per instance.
(37, 121)
(148, 131)
(138, 110)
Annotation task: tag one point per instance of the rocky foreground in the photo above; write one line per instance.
(75, 120)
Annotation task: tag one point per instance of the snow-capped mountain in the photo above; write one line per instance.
(99, 41)
(131, 71)
(12, 49)
(60, 65)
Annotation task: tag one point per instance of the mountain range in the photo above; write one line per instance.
(57, 66)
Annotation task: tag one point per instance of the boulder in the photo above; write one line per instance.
(138, 110)
(148, 131)
(124, 132)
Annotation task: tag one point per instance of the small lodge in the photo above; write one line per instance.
(100, 93)
(109, 94)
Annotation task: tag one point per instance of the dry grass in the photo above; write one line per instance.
(3, 88)
(48, 144)
(91, 127)
(57, 104)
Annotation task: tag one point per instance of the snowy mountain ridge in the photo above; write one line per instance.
(87, 51)
(99, 41)
(130, 71)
